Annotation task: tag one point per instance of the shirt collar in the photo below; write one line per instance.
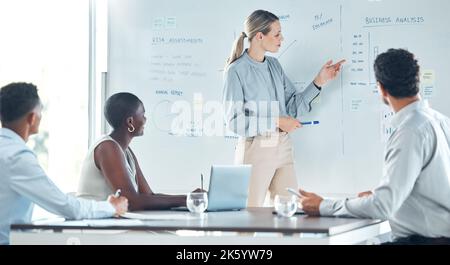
(400, 116)
(253, 62)
(11, 134)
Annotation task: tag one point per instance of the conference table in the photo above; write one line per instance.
(252, 226)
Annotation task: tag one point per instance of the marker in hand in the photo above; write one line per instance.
(294, 192)
(309, 123)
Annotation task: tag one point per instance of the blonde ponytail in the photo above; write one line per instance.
(238, 48)
(258, 21)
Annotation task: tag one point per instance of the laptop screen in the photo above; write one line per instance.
(228, 187)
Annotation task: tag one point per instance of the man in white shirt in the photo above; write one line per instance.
(414, 194)
(22, 180)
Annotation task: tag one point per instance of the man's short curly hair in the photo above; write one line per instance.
(16, 100)
(398, 71)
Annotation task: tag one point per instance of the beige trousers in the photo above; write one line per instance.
(272, 161)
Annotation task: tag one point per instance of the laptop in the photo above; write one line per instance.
(228, 188)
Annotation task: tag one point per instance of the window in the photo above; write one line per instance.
(46, 42)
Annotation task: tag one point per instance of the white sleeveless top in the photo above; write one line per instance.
(93, 185)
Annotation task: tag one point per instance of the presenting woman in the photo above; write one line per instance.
(262, 106)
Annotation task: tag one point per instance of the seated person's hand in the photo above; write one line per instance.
(119, 203)
(310, 202)
(365, 194)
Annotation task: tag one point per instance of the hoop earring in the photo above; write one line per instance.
(132, 128)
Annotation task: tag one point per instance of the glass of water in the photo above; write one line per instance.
(285, 205)
(197, 202)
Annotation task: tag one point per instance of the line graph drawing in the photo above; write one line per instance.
(162, 117)
(287, 48)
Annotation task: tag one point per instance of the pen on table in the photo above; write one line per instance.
(117, 194)
(309, 122)
(201, 181)
(294, 192)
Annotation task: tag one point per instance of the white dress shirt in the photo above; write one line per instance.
(414, 194)
(23, 182)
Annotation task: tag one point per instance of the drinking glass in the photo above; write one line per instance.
(197, 202)
(285, 205)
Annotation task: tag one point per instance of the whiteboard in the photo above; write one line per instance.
(174, 50)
